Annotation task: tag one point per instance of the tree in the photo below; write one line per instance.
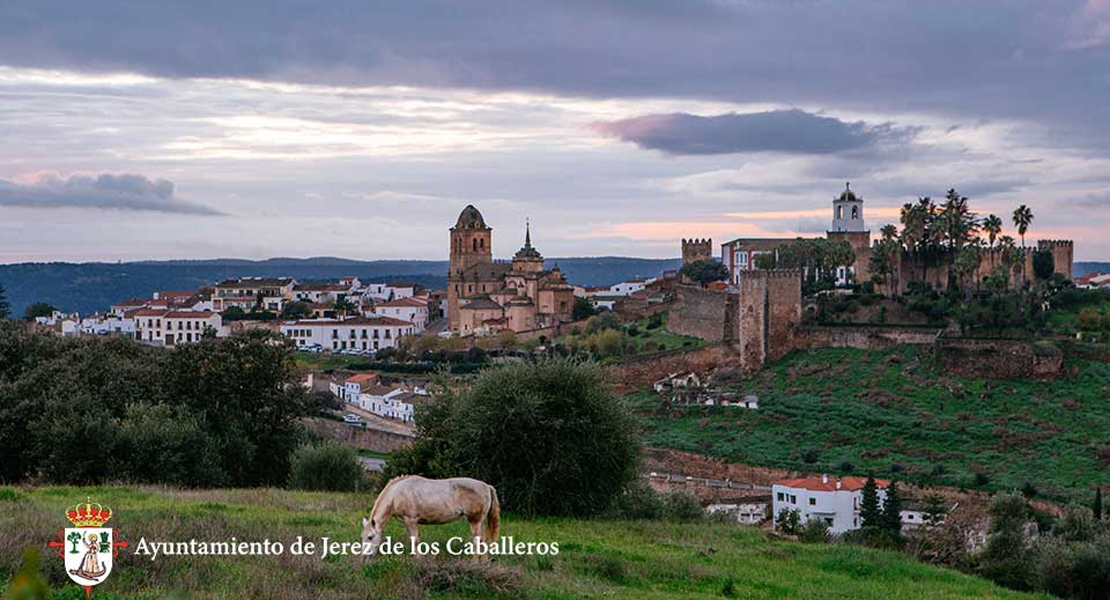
(892, 510)
(788, 521)
(296, 310)
(38, 309)
(934, 510)
(551, 435)
(583, 309)
(1023, 218)
(704, 272)
(343, 306)
(1044, 265)
(869, 510)
(992, 225)
(5, 307)
(330, 466)
(234, 313)
(1006, 557)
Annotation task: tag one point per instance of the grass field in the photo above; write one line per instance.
(893, 413)
(597, 559)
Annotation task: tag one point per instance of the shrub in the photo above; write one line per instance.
(550, 435)
(815, 531)
(682, 507)
(638, 501)
(326, 467)
(788, 521)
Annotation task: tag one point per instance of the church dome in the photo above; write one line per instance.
(470, 218)
(848, 195)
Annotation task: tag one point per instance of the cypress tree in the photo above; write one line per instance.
(869, 510)
(1097, 506)
(892, 510)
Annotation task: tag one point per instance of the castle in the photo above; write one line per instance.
(739, 255)
(485, 296)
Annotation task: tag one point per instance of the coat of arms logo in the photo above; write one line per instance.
(88, 547)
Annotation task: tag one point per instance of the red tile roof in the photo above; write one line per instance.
(361, 377)
(819, 484)
(405, 302)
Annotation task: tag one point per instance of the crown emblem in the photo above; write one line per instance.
(89, 514)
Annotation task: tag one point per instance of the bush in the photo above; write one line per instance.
(788, 521)
(682, 507)
(550, 435)
(326, 467)
(638, 501)
(815, 531)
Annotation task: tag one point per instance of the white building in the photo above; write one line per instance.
(171, 327)
(411, 309)
(627, 288)
(355, 385)
(835, 501)
(321, 293)
(747, 511)
(271, 293)
(356, 333)
(109, 324)
(393, 401)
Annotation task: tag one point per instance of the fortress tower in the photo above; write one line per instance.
(471, 241)
(694, 250)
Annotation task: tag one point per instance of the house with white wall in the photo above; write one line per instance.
(834, 500)
(412, 309)
(270, 292)
(172, 327)
(355, 333)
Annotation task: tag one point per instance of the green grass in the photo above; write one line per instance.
(893, 413)
(597, 559)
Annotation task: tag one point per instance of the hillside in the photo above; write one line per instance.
(89, 287)
(1082, 268)
(618, 560)
(894, 414)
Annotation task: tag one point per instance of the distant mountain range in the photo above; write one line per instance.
(91, 287)
(1082, 268)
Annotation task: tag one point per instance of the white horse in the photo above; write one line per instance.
(417, 501)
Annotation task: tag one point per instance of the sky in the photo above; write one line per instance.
(361, 128)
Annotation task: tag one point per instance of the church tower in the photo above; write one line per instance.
(471, 242)
(527, 259)
(848, 212)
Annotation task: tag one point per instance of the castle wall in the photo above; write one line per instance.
(694, 250)
(698, 312)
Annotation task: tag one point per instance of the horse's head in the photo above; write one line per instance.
(370, 534)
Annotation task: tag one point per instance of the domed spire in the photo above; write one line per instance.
(527, 252)
(470, 218)
(848, 195)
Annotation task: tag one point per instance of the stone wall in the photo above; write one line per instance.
(699, 312)
(864, 337)
(638, 373)
(366, 439)
(999, 359)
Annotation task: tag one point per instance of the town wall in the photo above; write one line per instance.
(366, 439)
(863, 337)
(699, 312)
(694, 250)
(999, 358)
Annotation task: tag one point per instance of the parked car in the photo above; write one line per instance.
(352, 418)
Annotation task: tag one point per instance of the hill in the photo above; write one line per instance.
(597, 559)
(1082, 268)
(90, 287)
(893, 413)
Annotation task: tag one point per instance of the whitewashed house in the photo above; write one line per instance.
(412, 309)
(171, 327)
(836, 501)
(108, 324)
(271, 293)
(746, 511)
(355, 333)
(355, 385)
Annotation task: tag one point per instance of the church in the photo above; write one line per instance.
(485, 296)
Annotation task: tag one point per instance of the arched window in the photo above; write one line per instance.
(840, 212)
(855, 212)
(482, 243)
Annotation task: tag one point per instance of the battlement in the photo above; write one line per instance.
(1042, 244)
(696, 249)
(775, 273)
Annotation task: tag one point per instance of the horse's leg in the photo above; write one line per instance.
(476, 535)
(414, 533)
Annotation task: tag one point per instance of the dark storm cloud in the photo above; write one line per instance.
(1025, 58)
(107, 191)
(789, 131)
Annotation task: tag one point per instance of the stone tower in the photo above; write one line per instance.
(848, 212)
(527, 259)
(694, 250)
(471, 241)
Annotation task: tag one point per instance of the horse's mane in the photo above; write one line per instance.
(395, 480)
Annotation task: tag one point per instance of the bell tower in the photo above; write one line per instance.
(471, 242)
(848, 212)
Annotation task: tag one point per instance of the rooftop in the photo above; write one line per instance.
(829, 484)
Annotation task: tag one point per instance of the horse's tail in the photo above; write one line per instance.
(493, 516)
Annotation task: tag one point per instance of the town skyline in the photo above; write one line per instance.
(358, 131)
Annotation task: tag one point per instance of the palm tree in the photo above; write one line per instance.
(1023, 218)
(914, 231)
(889, 232)
(992, 225)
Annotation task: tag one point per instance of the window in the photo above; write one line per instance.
(813, 501)
(855, 212)
(742, 259)
(840, 212)
(781, 497)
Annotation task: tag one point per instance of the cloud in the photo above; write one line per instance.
(124, 191)
(789, 131)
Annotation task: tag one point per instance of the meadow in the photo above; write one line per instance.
(639, 560)
(893, 413)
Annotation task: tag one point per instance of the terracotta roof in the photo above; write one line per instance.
(1093, 279)
(760, 243)
(164, 295)
(321, 287)
(189, 314)
(147, 312)
(404, 302)
(361, 377)
(379, 321)
(481, 303)
(820, 484)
